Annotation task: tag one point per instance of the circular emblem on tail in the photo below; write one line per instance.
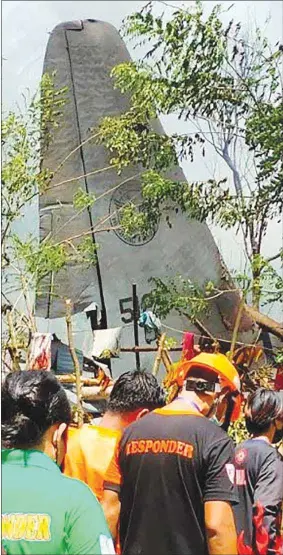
(129, 193)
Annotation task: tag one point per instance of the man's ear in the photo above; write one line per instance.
(142, 413)
(278, 424)
(59, 444)
(58, 433)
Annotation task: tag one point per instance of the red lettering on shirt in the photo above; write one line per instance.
(169, 446)
(141, 445)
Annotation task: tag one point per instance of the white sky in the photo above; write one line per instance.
(26, 26)
(25, 31)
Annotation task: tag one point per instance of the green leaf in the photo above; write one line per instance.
(83, 200)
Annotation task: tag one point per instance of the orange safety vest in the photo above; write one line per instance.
(89, 452)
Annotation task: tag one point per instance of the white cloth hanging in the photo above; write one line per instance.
(106, 343)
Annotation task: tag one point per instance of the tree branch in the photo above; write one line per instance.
(265, 322)
(262, 227)
(275, 257)
(236, 328)
(236, 175)
(75, 150)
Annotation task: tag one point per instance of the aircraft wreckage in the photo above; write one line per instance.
(83, 53)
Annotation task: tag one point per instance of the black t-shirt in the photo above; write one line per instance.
(259, 477)
(171, 463)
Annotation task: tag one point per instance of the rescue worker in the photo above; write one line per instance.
(43, 512)
(259, 476)
(91, 448)
(172, 475)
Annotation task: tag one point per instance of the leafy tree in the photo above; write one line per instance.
(230, 87)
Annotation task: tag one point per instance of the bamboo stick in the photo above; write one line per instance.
(166, 360)
(71, 378)
(75, 361)
(159, 354)
(166, 352)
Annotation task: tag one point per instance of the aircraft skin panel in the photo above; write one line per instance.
(83, 60)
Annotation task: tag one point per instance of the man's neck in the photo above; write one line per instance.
(187, 400)
(113, 421)
(264, 437)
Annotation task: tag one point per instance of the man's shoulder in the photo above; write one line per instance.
(214, 438)
(207, 430)
(81, 438)
(93, 430)
(76, 490)
(214, 430)
(256, 446)
(254, 452)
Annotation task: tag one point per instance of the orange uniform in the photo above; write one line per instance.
(89, 452)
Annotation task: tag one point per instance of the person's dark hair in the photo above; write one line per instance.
(32, 401)
(262, 408)
(136, 390)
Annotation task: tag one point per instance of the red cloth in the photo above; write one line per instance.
(279, 379)
(188, 346)
(40, 351)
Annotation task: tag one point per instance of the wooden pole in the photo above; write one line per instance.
(71, 378)
(136, 330)
(166, 359)
(157, 361)
(75, 361)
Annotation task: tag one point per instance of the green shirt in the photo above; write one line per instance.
(46, 513)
